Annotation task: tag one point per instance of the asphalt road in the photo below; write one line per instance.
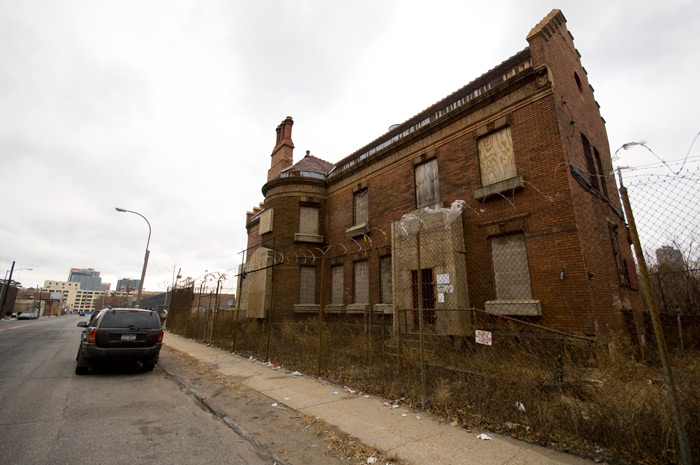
(119, 415)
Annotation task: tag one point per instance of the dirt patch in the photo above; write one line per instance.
(289, 435)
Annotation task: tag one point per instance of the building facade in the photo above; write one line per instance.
(126, 284)
(88, 278)
(505, 187)
(76, 299)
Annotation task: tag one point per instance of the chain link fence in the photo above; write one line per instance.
(490, 362)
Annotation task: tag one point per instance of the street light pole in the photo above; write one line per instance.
(145, 258)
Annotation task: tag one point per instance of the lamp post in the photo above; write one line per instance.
(145, 258)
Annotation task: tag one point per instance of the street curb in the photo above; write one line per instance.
(220, 413)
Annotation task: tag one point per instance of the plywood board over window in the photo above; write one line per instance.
(427, 184)
(337, 284)
(361, 207)
(308, 220)
(361, 287)
(307, 285)
(496, 159)
(510, 268)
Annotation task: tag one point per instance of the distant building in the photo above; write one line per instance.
(88, 278)
(126, 284)
(540, 234)
(669, 257)
(77, 299)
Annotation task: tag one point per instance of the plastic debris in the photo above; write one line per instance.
(296, 373)
(371, 459)
(417, 417)
(403, 415)
(484, 437)
(335, 393)
(520, 407)
(274, 405)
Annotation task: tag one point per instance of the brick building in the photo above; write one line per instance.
(518, 161)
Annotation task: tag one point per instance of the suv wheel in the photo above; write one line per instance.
(81, 370)
(148, 366)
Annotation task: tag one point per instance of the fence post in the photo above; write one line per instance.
(420, 323)
(320, 316)
(658, 330)
(272, 302)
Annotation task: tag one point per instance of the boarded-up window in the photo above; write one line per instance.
(308, 220)
(307, 285)
(496, 159)
(337, 284)
(427, 185)
(361, 287)
(361, 207)
(510, 268)
(387, 291)
(266, 221)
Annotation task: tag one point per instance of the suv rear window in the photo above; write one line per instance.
(125, 319)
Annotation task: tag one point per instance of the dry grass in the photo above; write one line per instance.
(596, 400)
(341, 445)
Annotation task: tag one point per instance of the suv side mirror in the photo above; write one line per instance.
(82, 324)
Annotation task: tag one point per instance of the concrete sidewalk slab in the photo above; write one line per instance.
(415, 437)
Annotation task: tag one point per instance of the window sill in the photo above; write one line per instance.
(499, 187)
(357, 230)
(384, 309)
(301, 237)
(523, 307)
(306, 308)
(356, 308)
(334, 308)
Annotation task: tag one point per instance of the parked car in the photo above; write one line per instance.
(119, 335)
(27, 316)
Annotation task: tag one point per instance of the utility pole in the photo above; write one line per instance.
(5, 290)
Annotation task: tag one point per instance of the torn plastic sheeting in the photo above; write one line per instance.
(484, 437)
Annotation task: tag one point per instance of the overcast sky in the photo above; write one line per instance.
(169, 108)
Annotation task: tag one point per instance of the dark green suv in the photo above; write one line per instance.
(120, 334)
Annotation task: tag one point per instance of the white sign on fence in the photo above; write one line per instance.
(483, 337)
(443, 278)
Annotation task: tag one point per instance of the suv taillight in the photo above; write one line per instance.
(160, 337)
(91, 335)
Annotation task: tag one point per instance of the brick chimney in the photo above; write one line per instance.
(282, 154)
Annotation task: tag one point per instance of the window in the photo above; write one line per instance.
(308, 220)
(386, 287)
(307, 285)
(623, 275)
(601, 173)
(590, 165)
(496, 159)
(361, 284)
(428, 297)
(361, 207)
(427, 185)
(337, 284)
(510, 268)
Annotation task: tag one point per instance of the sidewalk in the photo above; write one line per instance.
(412, 436)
